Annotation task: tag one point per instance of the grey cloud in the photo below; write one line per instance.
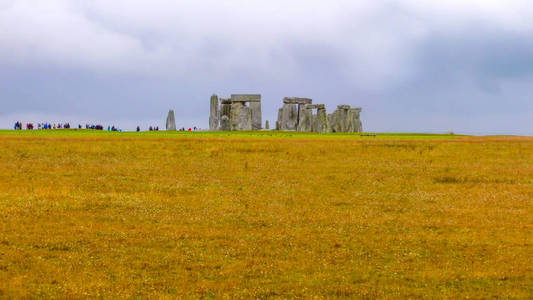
(412, 65)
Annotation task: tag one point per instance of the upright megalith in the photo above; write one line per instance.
(320, 120)
(297, 114)
(266, 125)
(289, 117)
(214, 114)
(278, 122)
(254, 102)
(171, 121)
(225, 114)
(234, 114)
(241, 117)
(358, 125)
(345, 119)
(305, 118)
(289, 114)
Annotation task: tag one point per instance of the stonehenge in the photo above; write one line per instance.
(289, 114)
(233, 114)
(345, 119)
(171, 121)
(296, 114)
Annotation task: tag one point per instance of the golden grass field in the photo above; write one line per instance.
(271, 215)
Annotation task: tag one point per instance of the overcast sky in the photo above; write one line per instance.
(413, 65)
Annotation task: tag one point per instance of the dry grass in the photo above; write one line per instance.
(242, 218)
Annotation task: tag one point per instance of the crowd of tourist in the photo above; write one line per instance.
(31, 126)
(190, 129)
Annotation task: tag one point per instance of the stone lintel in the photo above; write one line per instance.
(296, 100)
(315, 106)
(225, 101)
(246, 98)
(343, 106)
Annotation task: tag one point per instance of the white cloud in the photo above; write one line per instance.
(373, 40)
(172, 38)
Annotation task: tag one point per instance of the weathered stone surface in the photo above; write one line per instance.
(267, 125)
(321, 121)
(316, 106)
(289, 117)
(241, 117)
(245, 98)
(314, 123)
(350, 124)
(256, 115)
(214, 114)
(296, 100)
(278, 122)
(358, 125)
(233, 114)
(332, 122)
(342, 118)
(225, 114)
(171, 121)
(345, 119)
(305, 118)
(354, 123)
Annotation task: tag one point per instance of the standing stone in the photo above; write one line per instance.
(171, 121)
(350, 122)
(314, 123)
(266, 125)
(241, 117)
(225, 114)
(305, 118)
(344, 117)
(214, 114)
(322, 124)
(357, 119)
(331, 120)
(280, 116)
(339, 120)
(254, 107)
(256, 115)
(289, 117)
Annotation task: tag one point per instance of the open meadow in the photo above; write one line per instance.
(266, 214)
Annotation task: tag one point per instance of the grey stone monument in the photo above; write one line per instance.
(214, 114)
(225, 114)
(305, 118)
(289, 117)
(345, 119)
(171, 121)
(358, 125)
(278, 122)
(254, 101)
(289, 114)
(322, 120)
(241, 116)
(233, 114)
